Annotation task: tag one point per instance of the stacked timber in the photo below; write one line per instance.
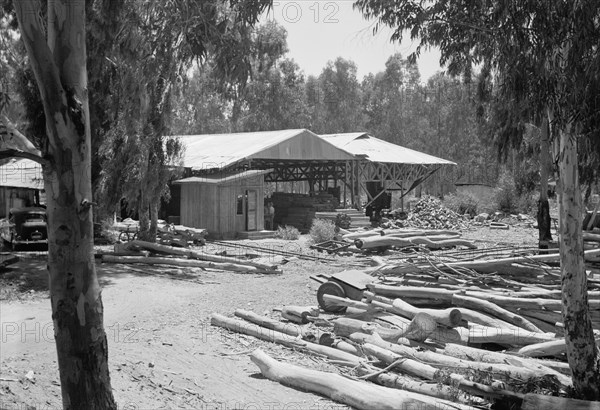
(299, 210)
(478, 334)
(430, 213)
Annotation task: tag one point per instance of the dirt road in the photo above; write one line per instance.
(163, 351)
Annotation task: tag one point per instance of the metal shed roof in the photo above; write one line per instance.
(21, 173)
(209, 151)
(376, 150)
(224, 178)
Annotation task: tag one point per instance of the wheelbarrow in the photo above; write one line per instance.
(347, 284)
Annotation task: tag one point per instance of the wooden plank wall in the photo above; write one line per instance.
(214, 207)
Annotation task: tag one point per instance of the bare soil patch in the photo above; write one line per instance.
(163, 351)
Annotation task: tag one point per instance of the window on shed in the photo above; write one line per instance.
(240, 205)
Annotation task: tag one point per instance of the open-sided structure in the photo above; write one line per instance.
(219, 166)
(381, 166)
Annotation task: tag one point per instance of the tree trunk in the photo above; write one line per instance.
(543, 213)
(581, 347)
(154, 204)
(144, 215)
(60, 70)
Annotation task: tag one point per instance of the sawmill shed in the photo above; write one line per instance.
(226, 177)
(382, 167)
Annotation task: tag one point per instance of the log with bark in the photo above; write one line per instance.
(383, 241)
(358, 394)
(428, 372)
(192, 254)
(494, 310)
(538, 402)
(310, 334)
(189, 263)
(441, 359)
(269, 335)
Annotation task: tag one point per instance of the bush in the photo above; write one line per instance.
(108, 230)
(322, 230)
(287, 232)
(462, 203)
(343, 221)
(506, 196)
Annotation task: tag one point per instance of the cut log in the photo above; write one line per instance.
(441, 360)
(494, 310)
(526, 303)
(428, 372)
(446, 317)
(509, 337)
(551, 348)
(398, 381)
(382, 241)
(184, 263)
(191, 254)
(411, 292)
(338, 301)
(250, 329)
(538, 402)
(420, 328)
(360, 395)
(310, 334)
(299, 314)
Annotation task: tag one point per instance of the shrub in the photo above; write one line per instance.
(462, 203)
(287, 232)
(108, 230)
(343, 221)
(322, 230)
(506, 196)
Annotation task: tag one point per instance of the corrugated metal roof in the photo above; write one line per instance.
(376, 150)
(220, 178)
(21, 173)
(209, 151)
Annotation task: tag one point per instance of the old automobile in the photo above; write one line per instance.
(25, 228)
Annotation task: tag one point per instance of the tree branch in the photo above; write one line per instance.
(15, 144)
(42, 62)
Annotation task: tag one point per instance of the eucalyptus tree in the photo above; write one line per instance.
(55, 41)
(545, 55)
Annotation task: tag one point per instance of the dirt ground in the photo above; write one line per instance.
(163, 353)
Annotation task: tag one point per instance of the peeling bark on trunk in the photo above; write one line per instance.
(154, 219)
(581, 347)
(144, 215)
(59, 65)
(543, 213)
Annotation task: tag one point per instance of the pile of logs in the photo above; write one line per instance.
(379, 239)
(430, 213)
(431, 333)
(141, 252)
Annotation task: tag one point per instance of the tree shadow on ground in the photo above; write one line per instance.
(106, 271)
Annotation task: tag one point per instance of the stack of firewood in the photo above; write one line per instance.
(433, 333)
(430, 213)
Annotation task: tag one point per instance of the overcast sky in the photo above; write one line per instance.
(320, 31)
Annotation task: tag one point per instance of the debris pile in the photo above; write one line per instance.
(430, 213)
(430, 332)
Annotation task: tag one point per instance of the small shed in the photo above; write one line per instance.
(224, 203)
